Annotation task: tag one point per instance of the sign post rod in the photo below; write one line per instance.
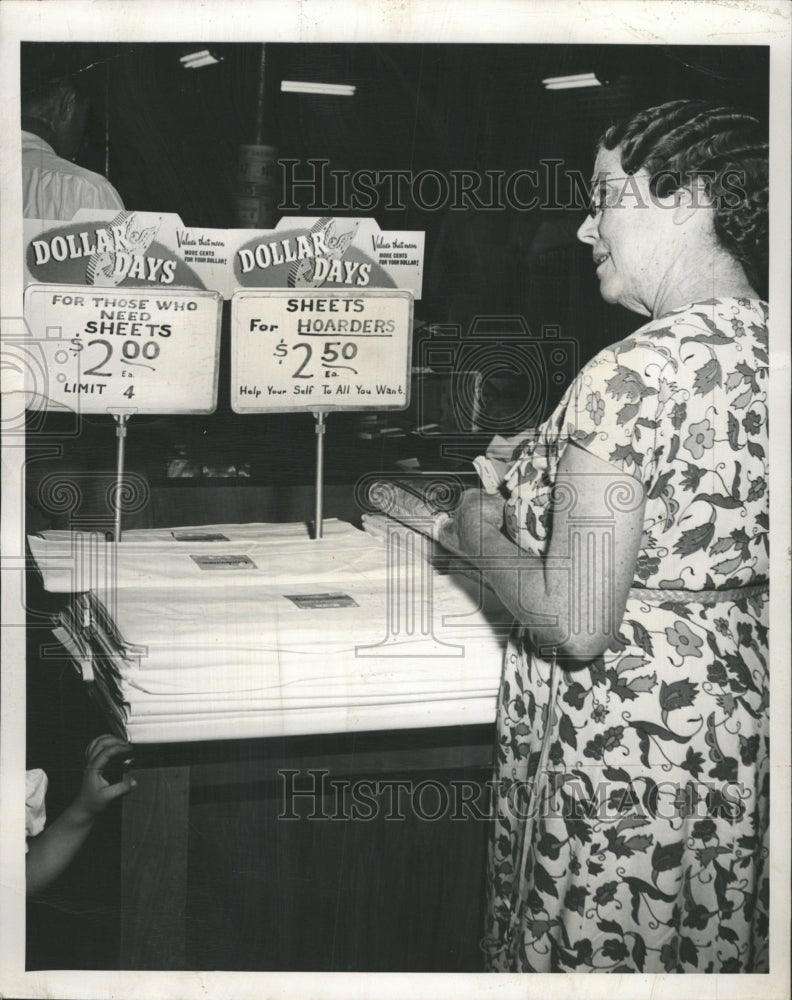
(320, 431)
(121, 421)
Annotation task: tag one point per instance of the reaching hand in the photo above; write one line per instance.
(95, 792)
(476, 513)
(52, 850)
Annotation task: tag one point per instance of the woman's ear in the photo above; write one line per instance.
(689, 199)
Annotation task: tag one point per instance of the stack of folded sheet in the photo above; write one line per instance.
(238, 631)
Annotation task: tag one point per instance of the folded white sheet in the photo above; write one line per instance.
(210, 653)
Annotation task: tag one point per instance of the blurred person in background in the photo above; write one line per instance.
(54, 111)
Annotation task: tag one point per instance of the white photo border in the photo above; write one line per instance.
(668, 22)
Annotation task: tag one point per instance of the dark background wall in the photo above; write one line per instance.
(171, 138)
(168, 138)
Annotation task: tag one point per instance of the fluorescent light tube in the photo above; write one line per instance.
(573, 86)
(206, 61)
(305, 87)
(197, 59)
(569, 78)
(569, 82)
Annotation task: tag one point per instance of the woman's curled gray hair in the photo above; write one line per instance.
(725, 150)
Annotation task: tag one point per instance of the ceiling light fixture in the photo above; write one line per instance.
(304, 87)
(570, 82)
(195, 60)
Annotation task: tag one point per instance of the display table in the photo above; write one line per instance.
(214, 877)
(353, 655)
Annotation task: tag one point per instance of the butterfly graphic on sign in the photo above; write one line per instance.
(130, 240)
(313, 272)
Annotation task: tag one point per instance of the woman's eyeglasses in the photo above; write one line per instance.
(603, 195)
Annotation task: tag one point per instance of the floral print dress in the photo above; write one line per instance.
(631, 812)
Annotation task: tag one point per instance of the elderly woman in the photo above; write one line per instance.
(632, 756)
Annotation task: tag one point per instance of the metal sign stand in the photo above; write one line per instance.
(319, 417)
(121, 430)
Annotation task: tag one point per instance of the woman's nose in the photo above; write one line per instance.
(588, 231)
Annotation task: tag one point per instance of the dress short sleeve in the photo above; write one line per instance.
(35, 812)
(612, 410)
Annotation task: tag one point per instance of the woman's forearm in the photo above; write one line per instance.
(571, 599)
(519, 579)
(535, 594)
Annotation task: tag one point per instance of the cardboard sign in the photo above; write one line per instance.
(137, 351)
(320, 350)
(144, 250)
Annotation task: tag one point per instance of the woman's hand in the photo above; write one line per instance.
(95, 792)
(572, 599)
(476, 514)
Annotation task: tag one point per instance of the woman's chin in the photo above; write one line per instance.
(614, 294)
(609, 292)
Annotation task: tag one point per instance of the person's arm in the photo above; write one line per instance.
(52, 850)
(572, 599)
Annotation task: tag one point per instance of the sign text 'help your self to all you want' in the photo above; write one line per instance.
(320, 350)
